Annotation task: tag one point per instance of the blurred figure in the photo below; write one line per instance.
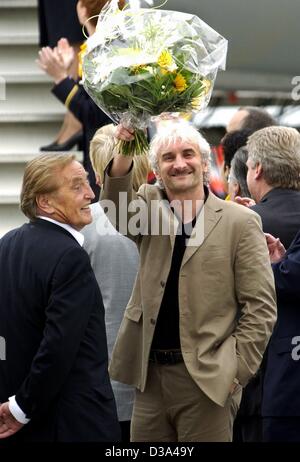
(231, 142)
(71, 93)
(251, 118)
(114, 259)
(58, 24)
(247, 120)
(237, 180)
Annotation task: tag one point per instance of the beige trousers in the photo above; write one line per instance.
(173, 408)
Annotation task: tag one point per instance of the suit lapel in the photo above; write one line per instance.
(168, 222)
(209, 216)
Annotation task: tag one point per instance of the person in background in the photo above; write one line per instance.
(281, 402)
(250, 118)
(71, 93)
(247, 120)
(54, 383)
(114, 259)
(197, 323)
(59, 26)
(237, 179)
(231, 142)
(273, 180)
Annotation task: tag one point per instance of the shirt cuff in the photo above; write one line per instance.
(17, 411)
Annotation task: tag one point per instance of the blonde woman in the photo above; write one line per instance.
(104, 146)
(114, 259)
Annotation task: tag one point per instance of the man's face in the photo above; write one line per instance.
(251, 179)
(181, 167)
(70, 203)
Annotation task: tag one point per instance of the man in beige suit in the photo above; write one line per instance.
(203, 306)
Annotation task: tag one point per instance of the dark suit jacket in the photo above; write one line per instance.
(279, 211)
(52, 318)
(280, 214)
(282, 376)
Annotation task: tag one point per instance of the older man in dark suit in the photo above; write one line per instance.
(274, 183)
(54, 383)
(281, 400)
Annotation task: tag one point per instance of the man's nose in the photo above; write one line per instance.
(179, 162)
(89, 192)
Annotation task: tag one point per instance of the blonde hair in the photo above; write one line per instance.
(104, 147)
(277, 149)
(41, 176)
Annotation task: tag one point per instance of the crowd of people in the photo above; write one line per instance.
(161, 312)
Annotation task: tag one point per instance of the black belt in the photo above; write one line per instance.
(167, 357)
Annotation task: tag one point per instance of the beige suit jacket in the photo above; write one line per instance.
(226, 290)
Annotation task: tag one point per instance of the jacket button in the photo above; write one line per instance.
(152, 321)
(162, 283)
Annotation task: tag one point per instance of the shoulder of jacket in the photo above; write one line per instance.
(150, 192)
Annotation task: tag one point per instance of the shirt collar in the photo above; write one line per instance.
(76, 234)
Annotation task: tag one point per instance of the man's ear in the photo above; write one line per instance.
(44, 203)
(156, 173)
(258, 171)
(205, 168)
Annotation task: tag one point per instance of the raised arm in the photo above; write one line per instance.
(121, 164)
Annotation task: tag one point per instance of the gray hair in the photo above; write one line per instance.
(168, 135)
(238, 170)
(277, 149)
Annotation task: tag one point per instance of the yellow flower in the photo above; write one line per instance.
(165, 59)
(165, 71)
(180, 83)
(206, 85)
(82, 52)
(196, 102)
(137, 69)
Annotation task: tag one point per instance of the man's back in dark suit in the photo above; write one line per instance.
(279, 210)
(273, 179)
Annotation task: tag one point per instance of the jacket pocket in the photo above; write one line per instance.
(134, 313)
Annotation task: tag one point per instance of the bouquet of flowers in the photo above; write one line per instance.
(144, 62)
